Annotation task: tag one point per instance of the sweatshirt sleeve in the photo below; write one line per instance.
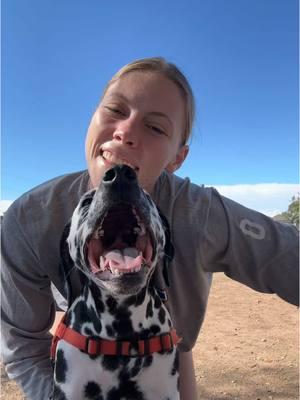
(27, 312)
(251, 248)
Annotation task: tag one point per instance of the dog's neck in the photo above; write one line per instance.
(125, 317)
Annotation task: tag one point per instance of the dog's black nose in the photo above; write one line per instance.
(120, 174)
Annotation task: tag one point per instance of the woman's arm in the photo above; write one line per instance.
(27, 312)
(251, 248)
(188, 388)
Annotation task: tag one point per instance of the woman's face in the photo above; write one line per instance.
(139, 122)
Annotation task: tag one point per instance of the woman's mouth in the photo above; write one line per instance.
(113, 159)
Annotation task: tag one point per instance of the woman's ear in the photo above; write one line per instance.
(179, 158)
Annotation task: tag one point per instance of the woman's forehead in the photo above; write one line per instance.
(146, 88)
(143, 79)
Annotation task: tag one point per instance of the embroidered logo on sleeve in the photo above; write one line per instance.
(252, 229)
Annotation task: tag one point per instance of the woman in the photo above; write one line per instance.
(144, 119)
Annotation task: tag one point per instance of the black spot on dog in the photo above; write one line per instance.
(99, 305)
(169, 323)
(93, 356)
(78, 254)
(148, 361)
(149, 332)
(112, 305)
(175, 367)
(154, 329)
(125, 361)
(124, 375)
(162, 316)
(111, 363)
(140, 297)
(145, 334)
(149, 310)
(130, 301)
(96, 320)
(86, 292)
(122, 323)
(68, 318)
(58, 394)
(127, 390)
(88, 331)
(92, 391)
(157, 301)
(61, 367)
(137, 299)
(80, 313)
(83, 314)
(97, 296)
(136, 368)
(127, 373)
(109, 330)
(123, 327)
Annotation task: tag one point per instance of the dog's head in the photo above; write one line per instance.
(117, 236)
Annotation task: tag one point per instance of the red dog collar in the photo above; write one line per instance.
(99, 346)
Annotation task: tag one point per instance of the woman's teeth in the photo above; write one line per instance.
(108, 156)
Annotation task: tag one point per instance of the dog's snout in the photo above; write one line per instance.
(119, 185)
(120, 174)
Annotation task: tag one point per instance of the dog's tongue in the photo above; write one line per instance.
(123, 260)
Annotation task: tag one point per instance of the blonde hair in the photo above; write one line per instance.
(171, 72)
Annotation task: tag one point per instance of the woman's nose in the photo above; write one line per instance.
(126, 133)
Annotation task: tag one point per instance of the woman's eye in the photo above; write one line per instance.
(115, 110)
(156, 129)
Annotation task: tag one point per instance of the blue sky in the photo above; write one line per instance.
(241, 57)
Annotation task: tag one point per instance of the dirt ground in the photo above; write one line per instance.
(247, 349)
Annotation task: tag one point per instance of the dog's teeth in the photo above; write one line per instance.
(116, 272)
(101, 232)
(102, 263)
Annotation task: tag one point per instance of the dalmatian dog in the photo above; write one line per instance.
(116, 341)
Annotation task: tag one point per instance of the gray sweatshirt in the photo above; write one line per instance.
(210, 234)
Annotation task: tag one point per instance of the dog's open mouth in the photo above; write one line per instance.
(121, 244)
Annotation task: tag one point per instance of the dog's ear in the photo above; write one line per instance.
(72, 276)
(168, 249)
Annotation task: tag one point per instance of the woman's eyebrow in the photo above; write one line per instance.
(119, 95)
